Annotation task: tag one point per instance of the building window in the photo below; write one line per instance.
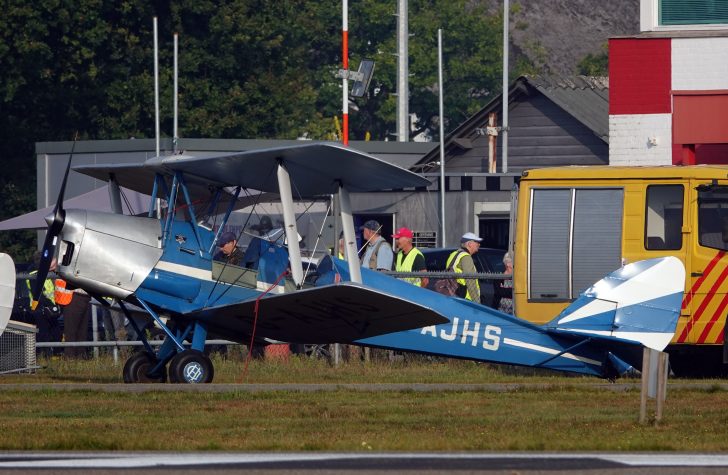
(693, 12)
(664, 217)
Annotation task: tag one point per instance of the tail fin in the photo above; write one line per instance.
(637, 303)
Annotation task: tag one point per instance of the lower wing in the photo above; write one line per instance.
(338, 313)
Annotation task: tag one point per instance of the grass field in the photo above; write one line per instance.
(559, 413)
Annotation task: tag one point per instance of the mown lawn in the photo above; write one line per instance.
(558, 413)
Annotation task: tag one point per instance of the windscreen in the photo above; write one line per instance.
(713, 216)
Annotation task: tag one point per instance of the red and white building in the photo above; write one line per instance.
(668, 86)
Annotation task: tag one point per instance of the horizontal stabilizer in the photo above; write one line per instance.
(339, 313)
(638, 303)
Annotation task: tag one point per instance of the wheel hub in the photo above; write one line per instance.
(193, 372)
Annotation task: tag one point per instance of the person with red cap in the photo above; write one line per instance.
(409, 258)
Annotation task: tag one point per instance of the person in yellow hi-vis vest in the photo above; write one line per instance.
(342, 247)
(409, 258)
(461, 261)
(47, 314)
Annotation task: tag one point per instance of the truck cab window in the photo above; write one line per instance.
(713, 216)
(664, 217)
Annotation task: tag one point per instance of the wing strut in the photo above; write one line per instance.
(289, 220)
(347, 222)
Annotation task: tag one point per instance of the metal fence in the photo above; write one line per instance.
(17, 348)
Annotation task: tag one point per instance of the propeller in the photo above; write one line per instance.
(55, 225)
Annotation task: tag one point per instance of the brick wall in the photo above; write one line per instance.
(699, 64)
(643, 75)
(639, 76)
(629, 136)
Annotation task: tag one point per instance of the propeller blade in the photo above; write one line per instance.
(46, 258)
(55, 225)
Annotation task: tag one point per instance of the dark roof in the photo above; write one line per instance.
(584, 98)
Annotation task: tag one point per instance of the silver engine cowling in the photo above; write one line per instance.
(108, 254)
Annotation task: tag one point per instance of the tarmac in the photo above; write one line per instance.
(203, 463)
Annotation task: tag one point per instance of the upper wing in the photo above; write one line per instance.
(140, 178)
(315, 169)
(337, 313)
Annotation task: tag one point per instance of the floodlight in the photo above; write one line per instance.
(365, 72)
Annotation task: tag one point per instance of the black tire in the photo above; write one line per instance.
(191, 367)
(137, 367)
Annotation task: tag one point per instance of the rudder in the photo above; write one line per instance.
(638, 303)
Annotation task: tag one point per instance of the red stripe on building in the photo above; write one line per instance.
(640, 76)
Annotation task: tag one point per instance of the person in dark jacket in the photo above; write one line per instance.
(229, 251)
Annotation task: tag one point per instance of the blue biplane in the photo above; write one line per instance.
(164, 264)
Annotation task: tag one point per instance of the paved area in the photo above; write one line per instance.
(204, 463)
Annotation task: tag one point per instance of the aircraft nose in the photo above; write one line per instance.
(49, 219)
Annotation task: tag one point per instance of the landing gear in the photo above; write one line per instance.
(138, 366)
(191, 366)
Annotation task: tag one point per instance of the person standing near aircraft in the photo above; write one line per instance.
(409, 258)
(342, 247)
(461, 261)
(76, 316)
(229, 251)
(505, 289)
(378, 254)
(46, 316)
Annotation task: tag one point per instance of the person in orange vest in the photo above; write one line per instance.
(76, 317)
(62, 295)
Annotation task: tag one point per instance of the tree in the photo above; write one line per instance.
(248, 69)
(472, 56)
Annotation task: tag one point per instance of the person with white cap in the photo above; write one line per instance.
(409, 258)
(461, 262)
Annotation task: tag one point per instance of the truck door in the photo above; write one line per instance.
(705, 301)
(667, 227)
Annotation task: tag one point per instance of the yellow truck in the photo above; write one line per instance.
(576, 224)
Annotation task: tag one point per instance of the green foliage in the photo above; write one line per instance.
(595, 64)
(472, 54)
(18, 244)
(247, 69)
